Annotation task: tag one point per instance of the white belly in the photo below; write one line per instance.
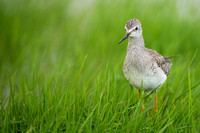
(151, 80)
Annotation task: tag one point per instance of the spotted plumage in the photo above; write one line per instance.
(132, 22)
(143, 65)
(163, 62)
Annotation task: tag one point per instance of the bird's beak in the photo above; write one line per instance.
(126, 36)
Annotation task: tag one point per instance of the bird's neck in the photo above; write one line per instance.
(136, 42)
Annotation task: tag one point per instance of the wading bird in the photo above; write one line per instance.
(143, 65)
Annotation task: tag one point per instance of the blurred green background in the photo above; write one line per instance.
(51, 39)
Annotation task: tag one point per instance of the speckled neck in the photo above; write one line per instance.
(135, 42)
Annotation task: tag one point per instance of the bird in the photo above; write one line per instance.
(143, 68)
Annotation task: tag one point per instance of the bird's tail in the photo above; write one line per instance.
(169, 57)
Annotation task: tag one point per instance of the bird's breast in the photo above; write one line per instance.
(138, 70)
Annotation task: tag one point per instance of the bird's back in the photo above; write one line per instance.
(163, 62)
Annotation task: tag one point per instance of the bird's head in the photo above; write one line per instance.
(133, 29)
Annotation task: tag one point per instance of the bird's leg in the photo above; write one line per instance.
(139, 94)
(156, 108)
(140, 99)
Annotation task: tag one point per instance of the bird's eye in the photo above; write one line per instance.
(136, 28)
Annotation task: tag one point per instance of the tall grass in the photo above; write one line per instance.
(61, 66)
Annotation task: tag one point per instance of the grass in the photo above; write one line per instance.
(61, 66)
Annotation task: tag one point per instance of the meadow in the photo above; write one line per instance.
(61, 66)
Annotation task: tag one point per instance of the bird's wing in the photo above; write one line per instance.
(163, 62)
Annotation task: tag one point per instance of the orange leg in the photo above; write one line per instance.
(139, 98)
(156, 108)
